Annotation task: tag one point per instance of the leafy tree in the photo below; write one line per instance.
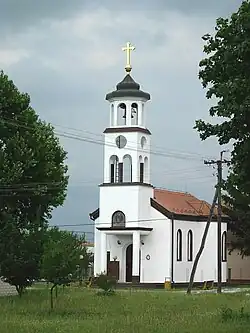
(33, 181)
(62, 255)
(225, 75)
(24, 250)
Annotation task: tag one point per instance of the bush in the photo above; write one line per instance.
(106, 283)
(230, 314)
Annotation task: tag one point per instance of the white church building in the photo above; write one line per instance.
(144, 234)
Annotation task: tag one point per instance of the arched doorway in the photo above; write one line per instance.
(129, 262)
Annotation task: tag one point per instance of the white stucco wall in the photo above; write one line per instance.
(158, 246)
(133, 148)
(97, 251)
(133, 201)
(207, 266)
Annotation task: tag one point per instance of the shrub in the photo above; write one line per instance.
(229, 314)
(106, 283)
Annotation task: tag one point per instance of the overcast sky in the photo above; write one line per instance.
(67, 56)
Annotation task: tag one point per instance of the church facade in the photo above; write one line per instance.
(144, 234)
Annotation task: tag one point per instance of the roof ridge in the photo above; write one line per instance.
(173, 191)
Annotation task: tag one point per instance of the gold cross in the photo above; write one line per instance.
(128, 48)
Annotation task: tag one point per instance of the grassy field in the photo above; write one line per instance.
(80, 310)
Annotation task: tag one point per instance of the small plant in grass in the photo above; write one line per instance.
(106, 283)
(230, 314)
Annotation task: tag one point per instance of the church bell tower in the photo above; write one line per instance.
(126, 185)
(127, 139)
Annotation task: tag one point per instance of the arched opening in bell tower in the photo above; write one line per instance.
(127, 168)
(113, 164)
(146, 170)
(134, 114)
(112, 115)
(121, 114)
(116, 170)
(141, 170)
(142, 115)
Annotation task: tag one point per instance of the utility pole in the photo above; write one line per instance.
(203, 241)
(219, 163)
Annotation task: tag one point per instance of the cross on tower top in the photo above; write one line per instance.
(128, 48)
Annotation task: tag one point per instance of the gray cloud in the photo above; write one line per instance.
(16, 15)
(70, 62)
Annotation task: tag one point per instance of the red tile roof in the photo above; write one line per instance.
(182, 203)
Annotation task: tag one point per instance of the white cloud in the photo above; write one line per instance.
(11, 57)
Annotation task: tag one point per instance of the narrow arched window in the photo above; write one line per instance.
(190, 246)
(224, 246)
(112, 115)
(127, 169)
(113, 164)
(141, 170)
(146, 170)
(179, 246)
(142, 116)
(134, 114)
(118, 219)
(121, 114)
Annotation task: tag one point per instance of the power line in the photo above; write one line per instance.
(185, 155)
(51, 185)
(202, 202)
(10, 121)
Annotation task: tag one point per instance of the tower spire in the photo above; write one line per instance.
(128, 48)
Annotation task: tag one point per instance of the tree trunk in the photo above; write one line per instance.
(203, 241)
(51, 296)
(19, 290)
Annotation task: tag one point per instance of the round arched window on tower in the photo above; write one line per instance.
(143, 141)
(121, 141)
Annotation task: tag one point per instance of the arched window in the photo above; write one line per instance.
(179, 246)
(224, 246)
(143, 142)
(190, 246)
(121, 114)
(116, 169)
(118, 219)
(112, 116)
(134, 114)
(146, 170)
(141, 170)
(127, 168)
(142, 115)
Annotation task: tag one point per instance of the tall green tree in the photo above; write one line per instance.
(225, 74)
(33, 182)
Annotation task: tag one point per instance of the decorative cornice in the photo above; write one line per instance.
(126, 184)
(124, 229)
(127, 129)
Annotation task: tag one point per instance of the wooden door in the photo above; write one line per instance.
(129, 261)
(113, 269)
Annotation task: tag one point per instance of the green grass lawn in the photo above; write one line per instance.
(80, 310)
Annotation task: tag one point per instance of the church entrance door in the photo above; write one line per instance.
(129, 261)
